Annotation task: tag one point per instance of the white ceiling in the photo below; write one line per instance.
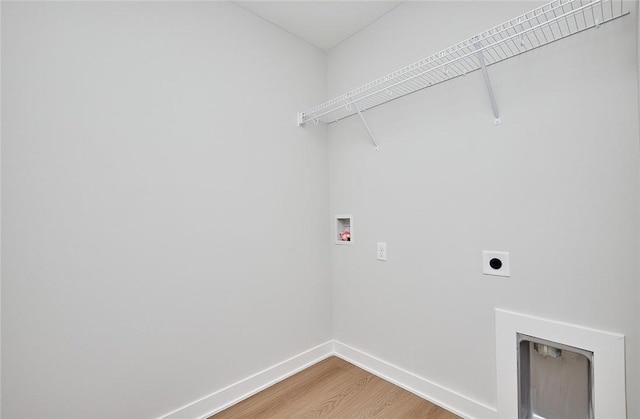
(322, 23)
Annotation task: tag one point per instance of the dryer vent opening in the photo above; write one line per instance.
(554, 380)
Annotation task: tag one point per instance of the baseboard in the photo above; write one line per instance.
(446, 398)
(454, 402)
(230, 395)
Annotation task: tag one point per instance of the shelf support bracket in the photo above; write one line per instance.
(364, 121)
(487, 81)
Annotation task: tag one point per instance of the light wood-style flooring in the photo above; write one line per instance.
(334, 389)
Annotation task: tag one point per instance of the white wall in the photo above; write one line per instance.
(164, 219)
(0, 214)
(556, 185)
(138, 191)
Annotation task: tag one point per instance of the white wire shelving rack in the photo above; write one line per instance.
(536, 28)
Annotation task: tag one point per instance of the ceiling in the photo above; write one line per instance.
(322, 23)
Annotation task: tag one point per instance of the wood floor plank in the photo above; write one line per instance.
(417, 408)
(334, 389)
(271, 402)
(340, 399)
(377, 403)
(327, 396)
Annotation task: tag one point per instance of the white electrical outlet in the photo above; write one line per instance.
(495, 263)
(382, 251)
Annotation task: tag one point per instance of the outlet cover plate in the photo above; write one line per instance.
(381, 252)
(501, 268)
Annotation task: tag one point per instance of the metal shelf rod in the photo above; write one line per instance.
(487, 81)
(465, 56)
(364, 121)
(531, 30)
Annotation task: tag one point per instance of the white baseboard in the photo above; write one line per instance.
(230, 395)
(443, 397)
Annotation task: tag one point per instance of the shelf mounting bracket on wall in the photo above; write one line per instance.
(364, 122)
(487, 82)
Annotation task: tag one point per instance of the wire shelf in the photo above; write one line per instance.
(541, 26)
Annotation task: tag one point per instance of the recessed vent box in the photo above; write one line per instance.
(555, 381)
